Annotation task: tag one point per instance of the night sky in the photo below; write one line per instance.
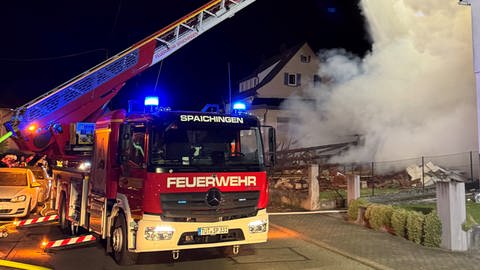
(45, 43)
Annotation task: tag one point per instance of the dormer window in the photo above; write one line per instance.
(305, 58)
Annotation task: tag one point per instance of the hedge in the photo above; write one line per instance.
(399, 222)
(353, 207)
(380, 216)
(432, 236)
(415, 226)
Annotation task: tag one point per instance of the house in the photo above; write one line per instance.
(280, 77)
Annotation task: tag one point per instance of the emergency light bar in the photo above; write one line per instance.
(239, 106)
(151, 101)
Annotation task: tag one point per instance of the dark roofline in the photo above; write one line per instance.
(284, 57)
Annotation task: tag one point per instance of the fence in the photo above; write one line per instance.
(384, 181)
(389, 178)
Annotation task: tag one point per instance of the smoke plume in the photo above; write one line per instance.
(412, 95)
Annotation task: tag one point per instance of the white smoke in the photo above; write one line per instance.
(413, 95)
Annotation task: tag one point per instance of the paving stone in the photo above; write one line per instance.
(380, 247)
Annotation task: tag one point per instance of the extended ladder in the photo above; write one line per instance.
(75, 100)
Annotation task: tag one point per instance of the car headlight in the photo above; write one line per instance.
(258, 226)
(20, 198)
(159, 233)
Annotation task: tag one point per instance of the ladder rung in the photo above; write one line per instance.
(188, 27)
(210, 13)
(163, 41)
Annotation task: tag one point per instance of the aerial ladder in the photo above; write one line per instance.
(42, 125)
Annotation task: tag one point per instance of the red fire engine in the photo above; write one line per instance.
(158, 180)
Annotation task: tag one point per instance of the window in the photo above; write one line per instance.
(201, 148)
(292, 79)
(317, 80)
(132, 147)
(305, 58)
(282, 124)
(13, 179)
(137, 154)
(248, 84)
(241, 87)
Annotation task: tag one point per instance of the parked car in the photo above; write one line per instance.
(19, 192)
(45, 180)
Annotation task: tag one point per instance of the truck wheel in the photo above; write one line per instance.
(64, 222)
(119, 242)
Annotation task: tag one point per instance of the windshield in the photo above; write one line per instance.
(224, 147)
(38, 173)
(13, 179)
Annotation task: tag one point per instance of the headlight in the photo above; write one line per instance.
(159, 233)
(85, 166)
(259, 226)
(20, 198)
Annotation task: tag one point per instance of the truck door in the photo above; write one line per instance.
(134, 163)
(98, 181)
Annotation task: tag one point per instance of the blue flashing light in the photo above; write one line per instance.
(239, 106)
(151, 101)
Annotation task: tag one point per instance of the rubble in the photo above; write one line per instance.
(432, 174)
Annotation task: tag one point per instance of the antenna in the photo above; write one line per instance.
(229, 90)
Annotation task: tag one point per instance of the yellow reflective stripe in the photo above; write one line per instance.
(22, 265)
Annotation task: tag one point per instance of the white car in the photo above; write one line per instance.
(19, 192)
(45, 180)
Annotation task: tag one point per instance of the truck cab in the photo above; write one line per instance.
(171, 181)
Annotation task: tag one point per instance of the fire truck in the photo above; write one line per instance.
(151, 179)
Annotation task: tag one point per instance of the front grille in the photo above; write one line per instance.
(193, 207)
(20, 210)
(4, 200)
(192, 238)
(5, 211)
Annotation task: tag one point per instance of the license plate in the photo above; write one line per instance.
(213, 230)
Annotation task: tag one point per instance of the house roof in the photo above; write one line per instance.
(282, 59)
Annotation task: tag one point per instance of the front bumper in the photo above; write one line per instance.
(177, 242)
(18, 209)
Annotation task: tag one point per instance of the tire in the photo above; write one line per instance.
(64, 222)
(34, 208)
(118, 241)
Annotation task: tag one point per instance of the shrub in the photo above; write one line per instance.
(380, 216)
(399, 221)
(469, 223)
(387, 212)
(368, 212)
(353, 206)
(432, 230)
(415, 226)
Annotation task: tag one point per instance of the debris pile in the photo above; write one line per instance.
(432, 174)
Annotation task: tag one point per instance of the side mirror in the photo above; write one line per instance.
(36, 184)
(271, 143)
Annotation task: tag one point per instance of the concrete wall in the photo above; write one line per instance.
(452, 213)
